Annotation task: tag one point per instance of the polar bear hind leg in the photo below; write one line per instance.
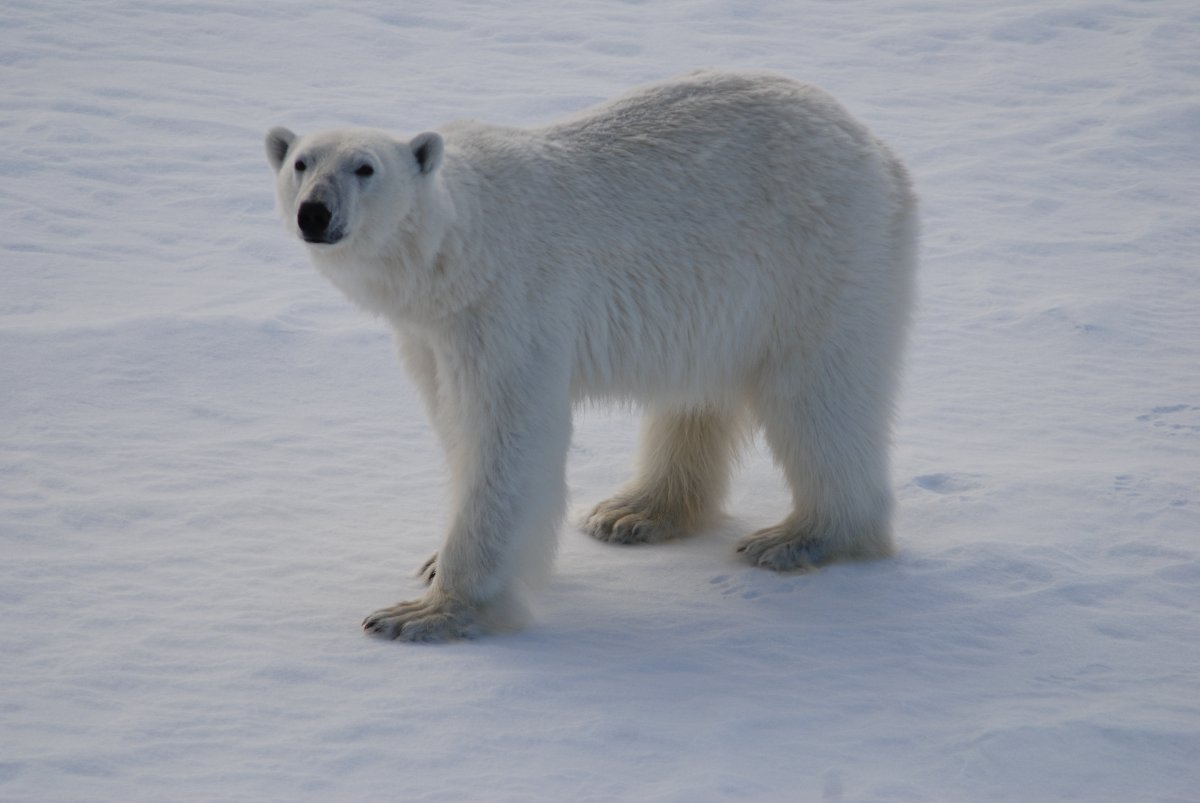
(683, 467)
(826, 423)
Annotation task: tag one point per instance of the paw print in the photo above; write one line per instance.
(1183, 418)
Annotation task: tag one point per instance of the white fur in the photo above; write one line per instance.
(725, 249)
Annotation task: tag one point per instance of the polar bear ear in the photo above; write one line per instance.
(427, 150)
(279, 140)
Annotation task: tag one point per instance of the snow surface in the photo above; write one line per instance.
(212, 466)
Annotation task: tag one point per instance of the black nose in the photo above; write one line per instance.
(313, 220)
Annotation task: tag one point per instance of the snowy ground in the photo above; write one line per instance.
(211, 466)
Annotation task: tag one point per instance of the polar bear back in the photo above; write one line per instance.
(691, 230)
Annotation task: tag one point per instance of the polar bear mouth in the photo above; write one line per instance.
(329, 238)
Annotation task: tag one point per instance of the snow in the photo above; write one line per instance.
(212, 466)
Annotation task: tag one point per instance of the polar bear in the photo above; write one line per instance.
(726, 250)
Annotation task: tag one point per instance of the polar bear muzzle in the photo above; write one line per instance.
(313, 220)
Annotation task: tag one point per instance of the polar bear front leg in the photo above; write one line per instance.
(508, 431)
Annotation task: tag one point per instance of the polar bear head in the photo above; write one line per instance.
(351, 188)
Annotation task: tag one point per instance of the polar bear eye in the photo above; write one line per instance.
(364, 171)
(300, 166)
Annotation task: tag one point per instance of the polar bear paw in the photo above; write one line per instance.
(784, 548)
(626, 520)
(434, 617)
(428, 569)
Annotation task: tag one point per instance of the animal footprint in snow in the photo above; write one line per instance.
(754, 584)
(947, 483)
(1174, 417)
